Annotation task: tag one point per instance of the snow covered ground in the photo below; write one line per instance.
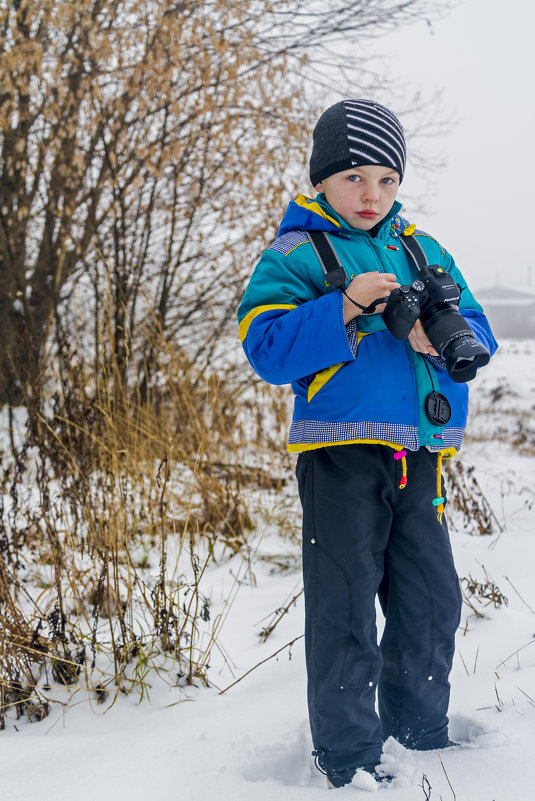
(252, 741)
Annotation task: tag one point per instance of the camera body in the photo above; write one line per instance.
(432, 300)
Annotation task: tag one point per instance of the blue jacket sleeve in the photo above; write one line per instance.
(481, 328)
(285, 345)
(288, 328)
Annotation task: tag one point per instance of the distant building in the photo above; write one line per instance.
(511, 312)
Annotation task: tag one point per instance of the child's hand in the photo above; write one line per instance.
(366, 288)
(419, 340)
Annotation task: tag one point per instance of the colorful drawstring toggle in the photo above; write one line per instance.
(439, 500)
(401, 455)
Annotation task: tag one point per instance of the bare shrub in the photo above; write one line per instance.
(483, 593)
(468, 499)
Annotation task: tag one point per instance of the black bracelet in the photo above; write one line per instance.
(365, 309)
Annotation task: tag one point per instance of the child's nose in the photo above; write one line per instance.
(370, 193)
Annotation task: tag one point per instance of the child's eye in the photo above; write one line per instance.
(354, 178)
(387, 180)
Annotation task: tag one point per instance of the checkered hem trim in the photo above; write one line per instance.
(453, 438)
(287, 242)
(310, 432)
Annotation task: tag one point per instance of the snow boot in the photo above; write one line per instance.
(339, 778)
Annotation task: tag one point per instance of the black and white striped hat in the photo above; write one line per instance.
(354, 133)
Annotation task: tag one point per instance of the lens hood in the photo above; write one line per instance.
(464, 357)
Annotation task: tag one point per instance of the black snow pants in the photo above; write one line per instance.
(365, 537)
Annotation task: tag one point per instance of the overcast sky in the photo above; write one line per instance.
(483, 55)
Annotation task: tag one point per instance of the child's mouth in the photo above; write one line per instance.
(369, 215)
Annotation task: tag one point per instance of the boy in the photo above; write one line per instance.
(373, 417)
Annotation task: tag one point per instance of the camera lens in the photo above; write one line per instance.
(463, 358)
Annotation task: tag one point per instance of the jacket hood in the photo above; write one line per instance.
(315, 214)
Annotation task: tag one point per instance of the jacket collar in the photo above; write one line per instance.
(380, 231)
(315, 214)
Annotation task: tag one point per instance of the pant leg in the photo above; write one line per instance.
(421, 598)
(347, 495)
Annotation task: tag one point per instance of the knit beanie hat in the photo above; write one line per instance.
(354, 133)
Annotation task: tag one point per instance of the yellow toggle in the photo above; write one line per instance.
(409, 230)
(445, 453)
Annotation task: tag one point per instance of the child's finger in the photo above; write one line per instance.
(420, 341)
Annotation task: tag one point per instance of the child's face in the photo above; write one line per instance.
(361, 195)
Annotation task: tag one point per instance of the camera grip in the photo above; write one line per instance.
(401, 311)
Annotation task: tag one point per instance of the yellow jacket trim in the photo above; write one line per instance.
(248, 319)
(447, 453)
(321, 379)
(312, 446)
(311, 205)
(287, 253)
(323, 376)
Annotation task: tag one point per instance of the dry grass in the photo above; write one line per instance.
(112, 509)
(484, 593)
(473, 511)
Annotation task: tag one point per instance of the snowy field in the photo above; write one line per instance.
(252, 741)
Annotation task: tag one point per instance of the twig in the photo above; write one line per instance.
(500, 702)
(448, 778)
(530, 699)
(426, 787)
(470, 604)
(288, 645)
(464, 663)
(281, 612)
(475, 661)
(531, 642)
(523, 601)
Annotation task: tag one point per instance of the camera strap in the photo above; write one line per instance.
(335, 275)
(414, 250)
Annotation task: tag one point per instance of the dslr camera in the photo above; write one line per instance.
(432, 300)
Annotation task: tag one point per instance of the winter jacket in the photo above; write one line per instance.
(356, 382)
